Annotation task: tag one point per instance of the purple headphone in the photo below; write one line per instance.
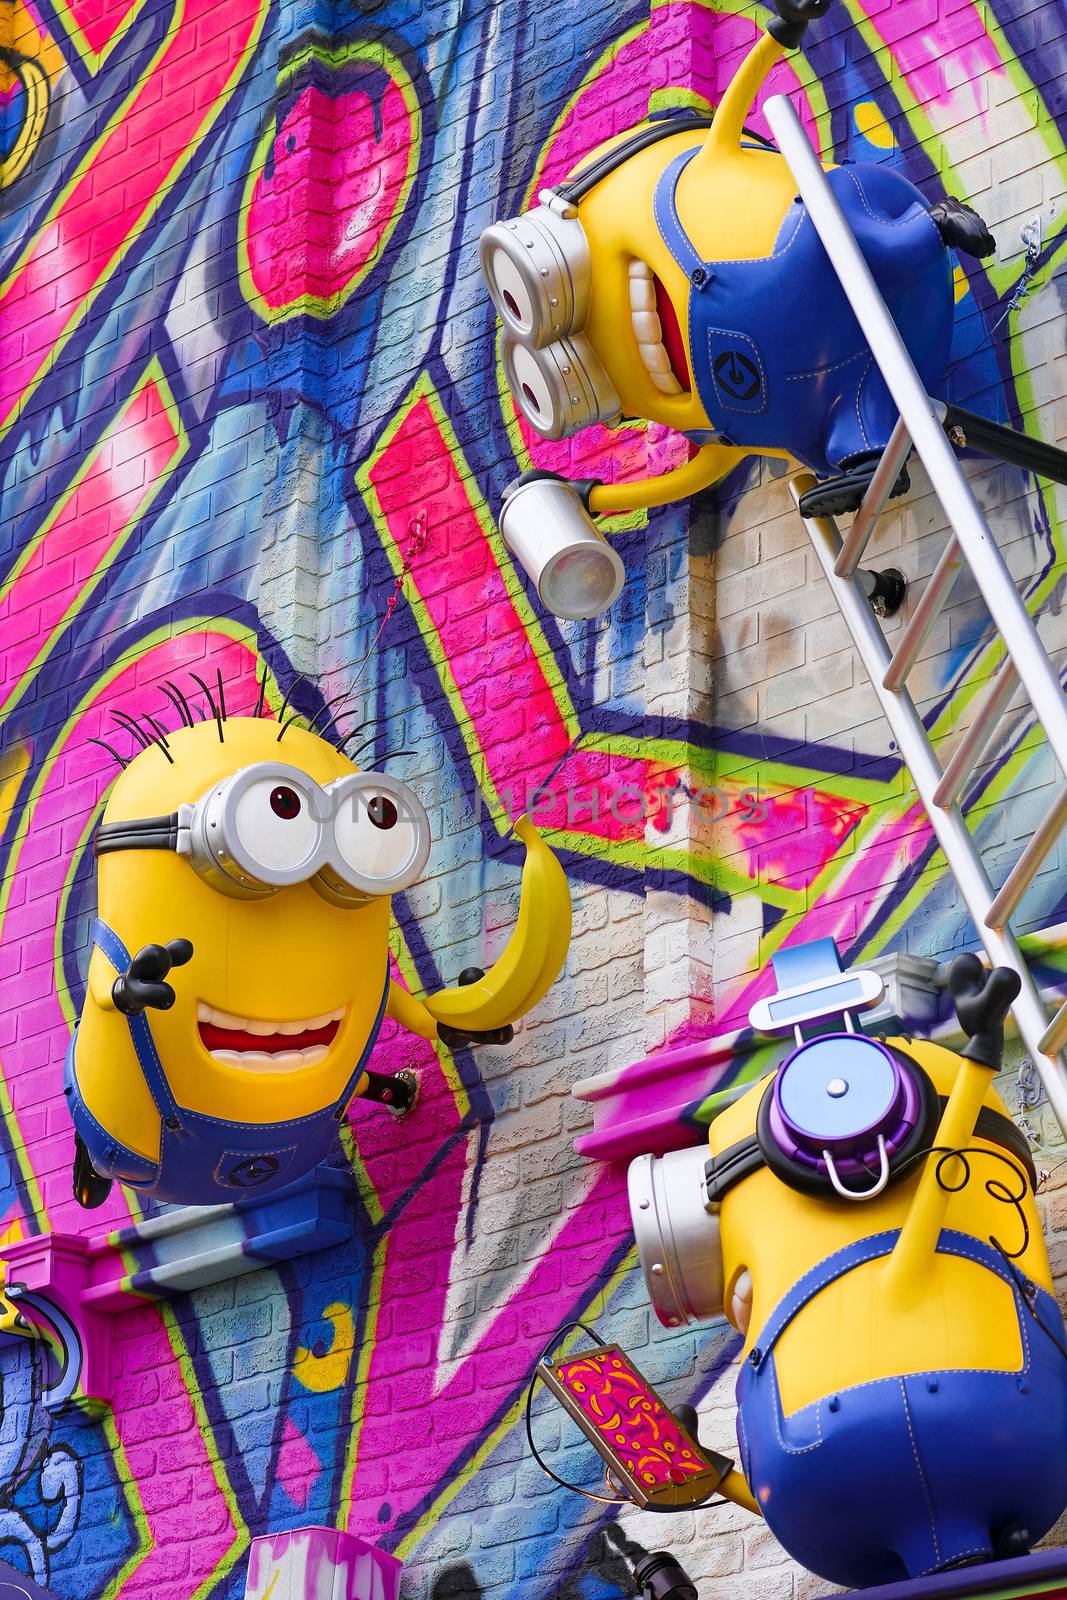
(843, 1112)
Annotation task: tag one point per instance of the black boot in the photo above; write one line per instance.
(90, 1189)
(962, 228)
(840, 495)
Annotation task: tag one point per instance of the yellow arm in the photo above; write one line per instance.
(728, 124)
(711, 462)
(915, 1248)
(410, 1012)
(735, 1487)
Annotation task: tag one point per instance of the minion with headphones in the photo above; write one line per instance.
(867, 1220)
(240, 966)
(676, 276)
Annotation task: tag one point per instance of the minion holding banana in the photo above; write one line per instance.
(240, 966)
(867, 1220)
(676, 276)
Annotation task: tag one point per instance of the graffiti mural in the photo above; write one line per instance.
(252, 415)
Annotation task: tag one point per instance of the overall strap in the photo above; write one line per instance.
(372, 1038)
(668, 221)
(111, 946)
(819, 1277)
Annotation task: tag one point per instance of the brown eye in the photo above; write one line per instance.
(285, 802)
(383, 812)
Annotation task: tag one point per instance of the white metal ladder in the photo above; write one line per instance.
(920, 426)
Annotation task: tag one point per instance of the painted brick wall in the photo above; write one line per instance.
(243, 346)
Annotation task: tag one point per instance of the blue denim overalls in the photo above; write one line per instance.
(779, 359)
(204, 1160)
(905, 1475)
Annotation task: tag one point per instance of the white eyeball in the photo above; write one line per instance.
(382, 834)
(275, 825)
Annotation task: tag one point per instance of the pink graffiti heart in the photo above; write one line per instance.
(321, 213)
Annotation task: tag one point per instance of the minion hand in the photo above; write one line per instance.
(982, 1001)
(141, 985)
(789, 26)
(460, 1038)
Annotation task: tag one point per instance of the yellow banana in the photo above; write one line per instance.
(533, 957)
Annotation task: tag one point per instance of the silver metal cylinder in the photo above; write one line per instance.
(677, 1237)
(548, 530)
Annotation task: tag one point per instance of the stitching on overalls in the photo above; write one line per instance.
(921, 1474)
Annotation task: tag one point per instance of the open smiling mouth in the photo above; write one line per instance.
(267, 1046)
(655, 325)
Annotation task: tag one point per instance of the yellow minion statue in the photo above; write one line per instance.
(240, 966)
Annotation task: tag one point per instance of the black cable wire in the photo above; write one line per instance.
(994, 1187)
(559, 1334)
(601, 1499)
(1026, 1291)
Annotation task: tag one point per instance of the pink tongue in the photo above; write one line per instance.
(270, 1044)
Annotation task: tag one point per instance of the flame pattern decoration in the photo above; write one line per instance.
(233, 371)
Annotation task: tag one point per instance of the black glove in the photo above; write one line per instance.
(141, 985)
(459, 1038)
(789, 26)
(982, 1000)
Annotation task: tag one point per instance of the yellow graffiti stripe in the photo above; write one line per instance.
(596, 1306)
(35, 88)
(241, 1539)
(313, 304)
(129, 239)
(153, 374)
(95, 59)
(146, 1541)
(424, 390)
(366, 1354)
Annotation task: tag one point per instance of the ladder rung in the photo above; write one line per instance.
(991, 707)
(1025, 869)
(1055, 1036)
(924, 616)
(874, 501)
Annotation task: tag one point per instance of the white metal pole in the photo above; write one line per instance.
(919, 414)
(952, 832)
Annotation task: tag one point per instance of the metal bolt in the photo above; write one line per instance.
(657, 1269)
(644, 1205)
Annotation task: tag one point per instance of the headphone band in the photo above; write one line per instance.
(659, 127)
(740, 1160)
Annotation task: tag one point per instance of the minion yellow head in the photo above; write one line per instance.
(593, 304)
(275, 857)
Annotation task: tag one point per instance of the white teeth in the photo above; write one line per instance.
(642, 294)
(224, 1019)
(648, 329)
(286, 1061)
(655, 358)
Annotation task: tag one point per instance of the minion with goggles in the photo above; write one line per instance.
(676, 276)
(867, 1220)
(240, 966)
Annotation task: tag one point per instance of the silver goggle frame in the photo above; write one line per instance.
(538, 271)
(224, 835)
